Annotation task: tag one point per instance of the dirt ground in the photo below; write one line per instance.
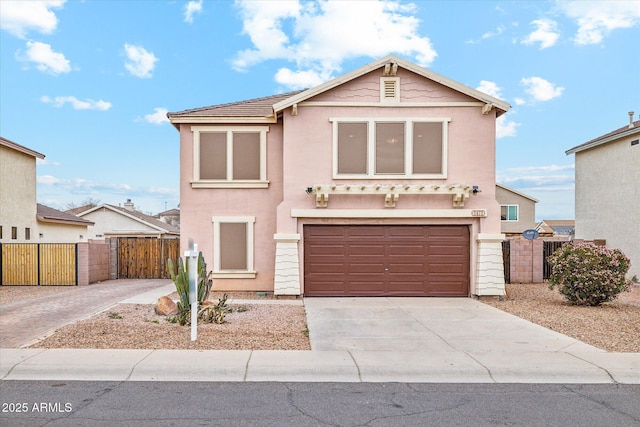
(614, 326)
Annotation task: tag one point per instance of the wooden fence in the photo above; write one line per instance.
(146, 258)
(34, 264)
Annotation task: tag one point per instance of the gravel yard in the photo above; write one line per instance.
(134, 326)
(613, 326)
(272, 325)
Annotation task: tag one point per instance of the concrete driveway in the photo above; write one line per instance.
(426, 325)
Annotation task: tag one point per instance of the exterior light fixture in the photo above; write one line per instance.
(475, 189)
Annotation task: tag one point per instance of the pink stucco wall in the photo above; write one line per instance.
(300, 155)
(198, 206)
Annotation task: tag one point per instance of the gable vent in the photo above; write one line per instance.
(389, 90)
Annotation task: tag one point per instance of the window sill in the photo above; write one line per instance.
(390, 177)
(234, 274)
(229, 184)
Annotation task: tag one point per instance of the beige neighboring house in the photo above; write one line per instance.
(380, 182)
(22, 220)
(116, 221)
(608, 190)
(517, 211)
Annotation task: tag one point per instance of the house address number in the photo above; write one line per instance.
(479, 212)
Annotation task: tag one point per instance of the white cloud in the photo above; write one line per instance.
(45, 58)
(319, 35)
(490, 88)
(541, 178)
(20, 17)
(139, 62)
(546, 33)
(597, 19)
(544, 168)
(47, 180)
(300, 79)
(77, 104)
(540, 89)
(158, 117)
(46, 162)
(191, 9)
(75, 186)
(489, 34)
(505, 127)
(519, 101)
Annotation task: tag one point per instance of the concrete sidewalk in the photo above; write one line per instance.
(357, 340)
(318, 366)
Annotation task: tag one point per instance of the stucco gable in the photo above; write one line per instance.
(412, 88)
(391, 60)
(516, 192)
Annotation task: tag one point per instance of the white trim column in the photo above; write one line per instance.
(490, 267)
(286, 279)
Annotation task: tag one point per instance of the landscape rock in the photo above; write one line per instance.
(166, 307)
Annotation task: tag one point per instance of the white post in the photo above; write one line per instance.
(192, 268)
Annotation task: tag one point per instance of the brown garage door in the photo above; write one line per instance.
(386, 260)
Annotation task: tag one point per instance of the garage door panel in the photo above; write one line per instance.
(379, 260)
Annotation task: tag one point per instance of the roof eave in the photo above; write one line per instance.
(21, 148)
(44, 218)
(176, 121)
(597, 142)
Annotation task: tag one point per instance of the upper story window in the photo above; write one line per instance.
(380, 148)
(509, 212)
(230, 157)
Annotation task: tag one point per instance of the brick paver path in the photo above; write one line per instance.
(22, 322)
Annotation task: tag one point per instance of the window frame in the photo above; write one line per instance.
(229, 182)
(371, 147)
(510, 220)
(219, 273)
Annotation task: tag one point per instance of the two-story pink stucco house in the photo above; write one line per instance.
(378, 182)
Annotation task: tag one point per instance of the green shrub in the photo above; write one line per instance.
(587, 274)
(215, 313)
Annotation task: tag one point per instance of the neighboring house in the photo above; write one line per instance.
(55, 226)
(607, 190)
(556, 228)
(172, 216)
(378, 182)
(22, 220)
(115, 221)
(517, 210)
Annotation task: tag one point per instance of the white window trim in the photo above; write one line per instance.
(517, 213)
(371, 143)
(218, 273)
(229, 183)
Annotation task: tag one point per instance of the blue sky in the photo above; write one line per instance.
(88, 83)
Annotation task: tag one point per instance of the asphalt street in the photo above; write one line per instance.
(97, 403)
